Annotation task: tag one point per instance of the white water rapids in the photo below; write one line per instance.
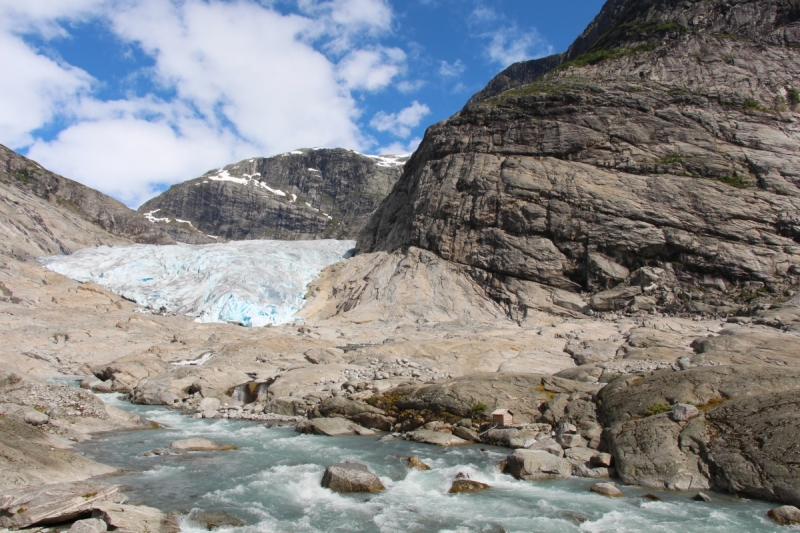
(272, 483)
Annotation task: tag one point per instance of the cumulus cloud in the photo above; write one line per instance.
(400, 123)
(451, 70)
(511, 45)
(243, 79)
(371, 70)
(400, 148)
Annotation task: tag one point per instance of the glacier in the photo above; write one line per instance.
(252, 283)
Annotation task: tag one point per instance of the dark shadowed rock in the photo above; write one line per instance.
(305, 194)
(416, 462)
(351, 477)
(467, 485)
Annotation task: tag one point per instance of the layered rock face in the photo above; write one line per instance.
(46, 214)
(305, 194)
(666, 137)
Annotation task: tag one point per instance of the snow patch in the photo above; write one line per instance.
(313, 170)
(195, 362)
(253, 283)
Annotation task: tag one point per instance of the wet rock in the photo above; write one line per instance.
(701, 497)
(651, 497)
(417, 463)
(684, 411)
(537, 465)
(606, 489)
(351, 477)
(785, 515)
(332, 427)
(135, 518)
(89, 525)
(215, 519)
(52, 504)
(439, 438)
(200, 445)
(467, 485)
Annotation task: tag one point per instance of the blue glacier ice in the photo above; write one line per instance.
(253, 283)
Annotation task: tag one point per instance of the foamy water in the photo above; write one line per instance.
(272, 482)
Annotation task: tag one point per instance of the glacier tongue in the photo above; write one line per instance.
(253, 283)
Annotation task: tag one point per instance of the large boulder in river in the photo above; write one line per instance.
(351, 477)
(537, 465)
(135, 518)
(744, 439)
(200, 445)
(439, 438)
(332, 427)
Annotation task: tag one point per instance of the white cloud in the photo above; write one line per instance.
(33, 89)
(371, 70)
(400, 123)
(450, 70)
(512, 45)
(246, 79)
(408, 86)
(399, 148)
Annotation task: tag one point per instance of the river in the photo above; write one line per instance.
(272, 483)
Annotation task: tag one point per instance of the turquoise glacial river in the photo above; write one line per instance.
(272, 483)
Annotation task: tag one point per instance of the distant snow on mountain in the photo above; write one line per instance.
(253, 283)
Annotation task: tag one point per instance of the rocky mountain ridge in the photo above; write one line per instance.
(665, 137)
(47, 214)
(303, 194)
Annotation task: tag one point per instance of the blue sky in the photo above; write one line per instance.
(130, 96)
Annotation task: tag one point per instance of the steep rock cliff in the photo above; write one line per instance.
(304, 194)
(667, 136)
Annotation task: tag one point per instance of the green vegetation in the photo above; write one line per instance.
(23, 175)
(671, 159)
(592, 58)
(733, 181)
(792, 97)
(657, 408)
(478, 410)
(751, 104)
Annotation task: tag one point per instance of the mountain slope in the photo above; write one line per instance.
(667, 136)
(42, 213)
(305, 194)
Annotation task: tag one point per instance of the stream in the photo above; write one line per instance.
(272, 483)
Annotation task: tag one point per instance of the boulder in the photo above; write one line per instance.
(785, 515)
(682, 412)
(467, 485)
(416, 462)
(351, 477)
(135, 518)
(103, 387)
(466, 433)
(332, 427)
(740, 444)
(215, 519)
(591, 352)
(701, 497)
(35, 418)
(209, 407)
(439, 438)
(536, 465)
(509, 437)
(615, 299)
(52, 504)
(89, 525)
(606, 489)
(602, 459)
(605, 269)
(200, 445)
